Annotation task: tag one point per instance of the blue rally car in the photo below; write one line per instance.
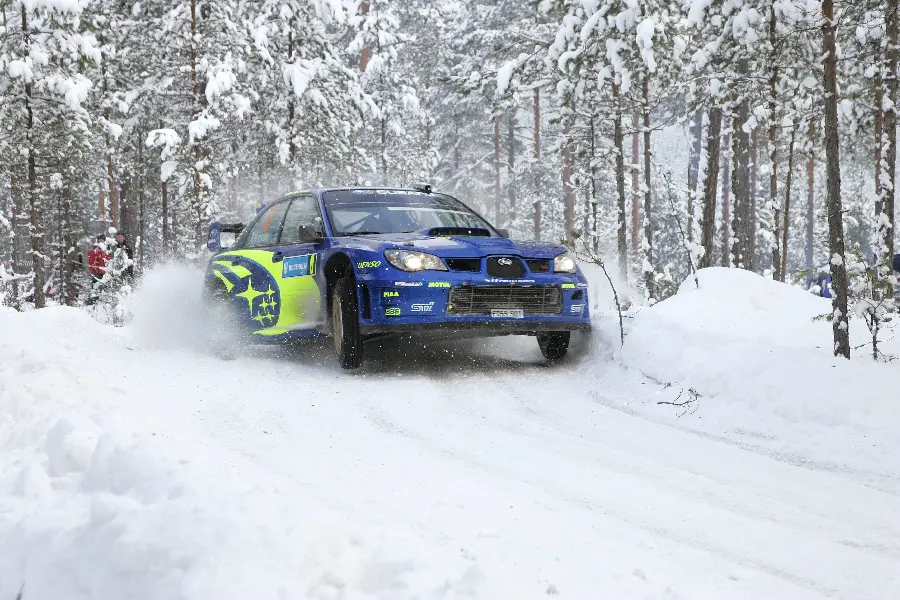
(362, 263)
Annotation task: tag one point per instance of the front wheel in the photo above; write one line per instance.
(345, 325)
(554, 344)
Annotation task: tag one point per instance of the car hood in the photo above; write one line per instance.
(453, 247)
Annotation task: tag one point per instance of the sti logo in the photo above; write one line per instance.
(420, 308)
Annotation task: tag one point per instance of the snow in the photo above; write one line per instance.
(134, 464)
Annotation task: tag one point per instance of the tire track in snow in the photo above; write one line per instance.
(462, 403)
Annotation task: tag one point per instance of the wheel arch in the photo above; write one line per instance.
(338, 265)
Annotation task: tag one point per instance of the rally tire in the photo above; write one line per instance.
(554, 344)
(348, 343)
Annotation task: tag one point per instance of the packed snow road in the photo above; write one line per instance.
(134, 465)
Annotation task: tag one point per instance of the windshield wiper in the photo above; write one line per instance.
(376, 233)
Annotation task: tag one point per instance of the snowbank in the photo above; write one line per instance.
(765, 372)
(101, 499)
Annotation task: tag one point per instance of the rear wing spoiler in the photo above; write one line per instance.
(214, 239)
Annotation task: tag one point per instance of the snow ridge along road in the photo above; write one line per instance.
(135, 465)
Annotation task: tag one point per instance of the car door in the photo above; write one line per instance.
(251, 272)
(297, 252)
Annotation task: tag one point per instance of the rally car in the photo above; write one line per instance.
(361, 263)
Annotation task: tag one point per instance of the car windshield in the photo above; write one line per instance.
(360, 212)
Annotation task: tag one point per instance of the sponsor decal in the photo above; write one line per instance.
(297, 266)
(577, 309)
(390, 294)
(392, 312)
(495, 280)
(582, 285)
(504, 261)
(438, 284)
(507, 313)
(568, 286)
(420, 308)
(368, 264)
(408, 284)
(251, 291)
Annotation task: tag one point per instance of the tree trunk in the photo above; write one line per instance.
(635, 182)
(165, 217)
(384, 150)
(197, 200)
(786, 217)
(19, 237)
(537, 164)
(740, 184)
(511, 161)
(694, 169)
(649, 279)
(726, 195)
(890, 131)
(112, 187)
(811, 205)
(595, 234)
(34, 198)
(292, 146)
(841, 320)
(881, 143)
(773, 139)
(752, 216)
(497, 205)
(708, 221)
(68, 293)
(619, 143)
(364, 54)
(568, 188)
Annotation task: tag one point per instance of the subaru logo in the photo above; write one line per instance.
(505, 261)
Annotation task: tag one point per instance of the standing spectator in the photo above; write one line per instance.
(98, 258)
(122, 244)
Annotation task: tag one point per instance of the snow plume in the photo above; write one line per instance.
(167, 309)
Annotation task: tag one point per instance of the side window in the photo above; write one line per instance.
(304, 211)
(265, 230)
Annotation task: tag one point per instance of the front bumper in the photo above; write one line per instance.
(476, 328)
(392, 301)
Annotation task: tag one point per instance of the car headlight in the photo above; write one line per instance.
(564, 263)
(412, 261)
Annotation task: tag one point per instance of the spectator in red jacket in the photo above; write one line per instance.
(98, 258)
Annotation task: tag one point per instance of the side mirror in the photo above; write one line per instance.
(310, 234)
(503, 232)
(214, 239)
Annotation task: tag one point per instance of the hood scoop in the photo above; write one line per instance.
(457, 231)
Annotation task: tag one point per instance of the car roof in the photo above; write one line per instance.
(364, 188)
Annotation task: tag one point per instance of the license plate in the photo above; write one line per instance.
(507, 313)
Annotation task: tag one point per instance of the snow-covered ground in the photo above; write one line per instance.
(135, 465)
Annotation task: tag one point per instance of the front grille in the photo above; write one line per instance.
(538, 265)
(472, 265)
(505, 267)
(481, 299)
